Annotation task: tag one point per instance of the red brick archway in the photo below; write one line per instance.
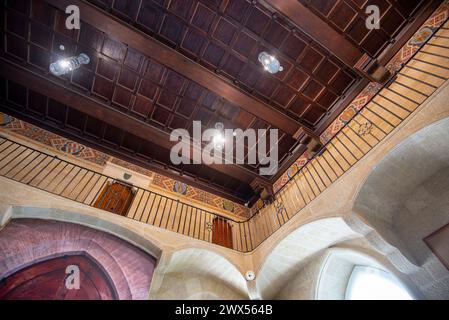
(46, 280)
(25, 242)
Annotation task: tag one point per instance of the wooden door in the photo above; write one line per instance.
(116, 197)
(222, 233)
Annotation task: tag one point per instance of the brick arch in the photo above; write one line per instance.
(48, 279)
(24, 242)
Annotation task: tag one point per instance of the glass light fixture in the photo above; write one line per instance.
(270, 63)
(219, 139)
(64, 66)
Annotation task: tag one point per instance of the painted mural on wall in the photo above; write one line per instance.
(180, 187)
(54, 141)
(200, 195)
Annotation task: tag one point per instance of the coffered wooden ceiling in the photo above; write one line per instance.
(158, 65)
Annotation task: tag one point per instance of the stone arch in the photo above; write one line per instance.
(401, 183)
(336, 269)
(25, 242)
(404, 199)
(102, 223)
(192, 271)
(297, 249)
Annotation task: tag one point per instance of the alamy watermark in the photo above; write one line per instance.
(373, 19)
(221, 145)
(371, 22)
(73, 20)
(72, 281)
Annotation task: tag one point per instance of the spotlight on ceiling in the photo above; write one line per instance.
(64, 66)
(219, 139)
(270, 63)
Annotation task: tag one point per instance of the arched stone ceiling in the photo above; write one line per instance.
(404, 168)
(294, 250)
(208, 265)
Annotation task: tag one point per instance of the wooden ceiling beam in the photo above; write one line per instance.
(349, 54)
(330, 39)
(184, 66)
(317, 29)
(99, 110)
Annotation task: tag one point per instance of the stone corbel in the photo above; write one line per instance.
(313, 145)
(264, 188)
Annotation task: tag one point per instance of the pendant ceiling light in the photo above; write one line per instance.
(64, 66)
(270, 63)
(219, 140)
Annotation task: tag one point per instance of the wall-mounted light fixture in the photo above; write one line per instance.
(66, 65)
(270, 63)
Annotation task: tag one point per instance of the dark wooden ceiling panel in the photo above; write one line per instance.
(126, 79)
(227, 36)
(348, 18)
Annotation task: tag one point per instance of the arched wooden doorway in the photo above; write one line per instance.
(116, 197)
(222, 232)
(46, 280)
